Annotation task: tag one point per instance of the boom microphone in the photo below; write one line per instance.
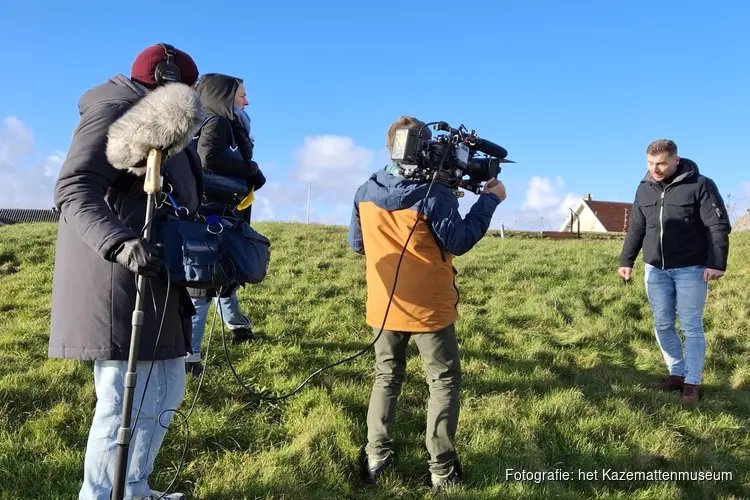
(165, 119)
(156, 128)
(490, 148)
(487, 147)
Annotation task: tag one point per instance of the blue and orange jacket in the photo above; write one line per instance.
(385, 209)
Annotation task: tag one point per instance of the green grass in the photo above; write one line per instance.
(556, 352)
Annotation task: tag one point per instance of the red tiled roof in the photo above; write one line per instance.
(614, 216)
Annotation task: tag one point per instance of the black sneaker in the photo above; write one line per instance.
(194, 369)
(370, 469)
(454, 476)
(244, 334)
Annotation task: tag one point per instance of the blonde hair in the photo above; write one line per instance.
(405, 122)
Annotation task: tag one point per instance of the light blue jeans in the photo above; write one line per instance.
(682, 290)
(230, 311)
(165, 391)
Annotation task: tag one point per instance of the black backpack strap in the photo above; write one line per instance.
(196, 167)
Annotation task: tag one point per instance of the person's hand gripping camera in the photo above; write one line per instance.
(495, 187)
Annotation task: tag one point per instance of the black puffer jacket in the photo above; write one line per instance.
(682, 224)
(222, 137)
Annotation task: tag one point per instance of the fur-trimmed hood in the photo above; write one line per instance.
(117, 88)
(167, 116)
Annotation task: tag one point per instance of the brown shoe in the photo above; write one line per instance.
(671, 383)
(691, 394)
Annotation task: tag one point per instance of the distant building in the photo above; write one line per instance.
(742, 223)
(598, 216)
(10, 216)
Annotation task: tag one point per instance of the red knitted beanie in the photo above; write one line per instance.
(145, 65)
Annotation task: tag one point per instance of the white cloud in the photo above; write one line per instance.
(16, 141)
(28, 176)
(543, 195)
(280, 201)
(545, 203)
(334, 165)
(284, 202)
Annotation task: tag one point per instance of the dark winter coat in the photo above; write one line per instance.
(93, 297)
(681, 224)
(224, 145)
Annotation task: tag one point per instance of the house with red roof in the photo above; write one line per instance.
(598, 216)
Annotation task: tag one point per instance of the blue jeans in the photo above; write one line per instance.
(230, 311)
(682, 290)
(166, 390)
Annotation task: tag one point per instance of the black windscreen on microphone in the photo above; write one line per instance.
(490, 148)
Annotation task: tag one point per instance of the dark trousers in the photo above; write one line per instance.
(439, 352)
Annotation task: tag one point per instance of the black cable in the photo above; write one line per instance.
(385, 316)
(185, 418)
(224, 277)
(161, 326)
(153, 361)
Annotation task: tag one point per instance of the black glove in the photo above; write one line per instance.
(260, 180)
(256, 179)
(140, 257)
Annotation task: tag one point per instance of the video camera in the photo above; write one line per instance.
(451, 154)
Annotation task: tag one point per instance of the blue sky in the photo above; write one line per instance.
(574, 90)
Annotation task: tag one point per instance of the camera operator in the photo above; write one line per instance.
(680, 221)
(98, 255)
(226, 151)
(424, 306)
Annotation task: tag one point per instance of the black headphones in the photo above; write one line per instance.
(167, 71)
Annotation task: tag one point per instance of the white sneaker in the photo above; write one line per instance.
(169, 496)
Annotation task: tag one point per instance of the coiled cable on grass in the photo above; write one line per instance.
(221, 275)
(385, 316)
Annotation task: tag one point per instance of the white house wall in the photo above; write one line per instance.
(590, 223)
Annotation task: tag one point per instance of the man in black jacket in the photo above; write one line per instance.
(226, 151)
(680, 221)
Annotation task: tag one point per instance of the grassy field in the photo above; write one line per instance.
(557, 352)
